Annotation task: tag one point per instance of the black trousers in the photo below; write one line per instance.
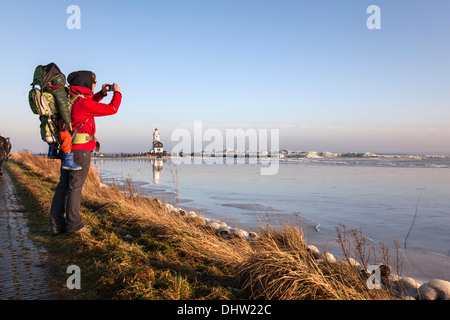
(65, 208)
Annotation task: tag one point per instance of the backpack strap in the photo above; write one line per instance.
(78, 128)
(79, 138)
(52, 87)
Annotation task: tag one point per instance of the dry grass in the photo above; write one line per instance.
(282, 268)
(139, 250)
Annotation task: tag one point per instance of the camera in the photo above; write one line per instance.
(110, 87)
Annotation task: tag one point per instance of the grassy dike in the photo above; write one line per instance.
(139, 250)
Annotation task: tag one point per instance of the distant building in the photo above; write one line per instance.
(157, 144)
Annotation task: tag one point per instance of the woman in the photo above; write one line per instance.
(65, 208)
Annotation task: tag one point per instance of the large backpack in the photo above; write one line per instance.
(43, 103)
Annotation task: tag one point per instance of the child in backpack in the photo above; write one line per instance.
(57, 88)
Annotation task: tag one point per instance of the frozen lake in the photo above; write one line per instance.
(390, 198)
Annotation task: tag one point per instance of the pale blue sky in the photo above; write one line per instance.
(309, 68)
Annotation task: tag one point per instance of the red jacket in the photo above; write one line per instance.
(88, 108)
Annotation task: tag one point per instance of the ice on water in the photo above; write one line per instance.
(382, 194)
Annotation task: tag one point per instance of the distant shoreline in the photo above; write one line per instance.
(127, 155)
(282, 154)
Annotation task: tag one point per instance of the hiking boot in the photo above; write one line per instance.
(52, 152)
(84, 230)
(67, 162)
(58, 232)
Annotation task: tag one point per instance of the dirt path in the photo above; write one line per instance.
(23, 262)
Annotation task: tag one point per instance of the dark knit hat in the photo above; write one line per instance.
(81, 78)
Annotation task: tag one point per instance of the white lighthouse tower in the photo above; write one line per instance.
(157, 144)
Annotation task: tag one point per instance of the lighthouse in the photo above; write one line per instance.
(157, 144)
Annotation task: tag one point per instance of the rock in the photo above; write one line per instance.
(171, 209)
(169, 206)
(426, 292)
(187, 214)
(442, 286)
(245, 234)
(253, 235)
(213, 224)
(408, 287)
(128, 237)
(191, 214)
(391, 283)
(320, 261)
(329, 257)
(435, 289)
(408, 283)
(224, 231)
(314, 251)
(385, 271)
(200, 220)
(223, 224)
(394, 278)
(353, 263)
(239, 233)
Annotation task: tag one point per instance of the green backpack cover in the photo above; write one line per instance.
(43, 103)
